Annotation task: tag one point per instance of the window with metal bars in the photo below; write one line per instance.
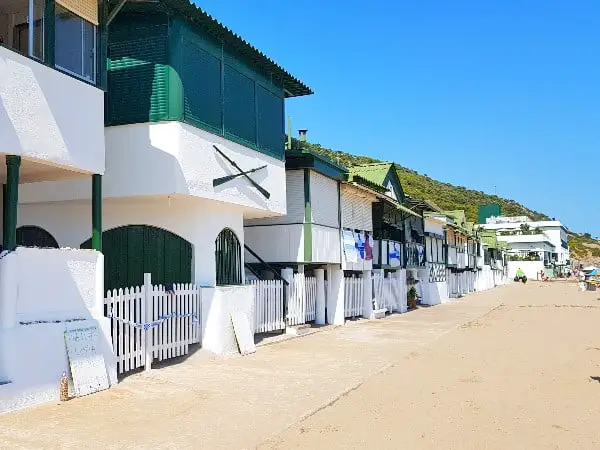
(228, 258)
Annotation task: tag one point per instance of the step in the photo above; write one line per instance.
(299, 330)
(378, 314)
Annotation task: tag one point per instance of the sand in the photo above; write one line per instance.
(516, 367)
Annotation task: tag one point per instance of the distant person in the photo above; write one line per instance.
(520, 276)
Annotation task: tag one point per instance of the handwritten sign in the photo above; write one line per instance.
(88, 368)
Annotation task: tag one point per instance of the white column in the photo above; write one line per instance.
(367, 280)
(335, 299)
(399, 277)
(288, 275)
(148, 313)
(320, 315)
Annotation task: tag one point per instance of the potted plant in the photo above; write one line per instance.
(412, 298)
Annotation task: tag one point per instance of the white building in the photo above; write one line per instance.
(51, 135)
(194, 145)
(547, 238)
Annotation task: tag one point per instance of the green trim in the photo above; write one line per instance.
(49, 32)
(307, 218)
(4, 207)
(13, 164)
(97, 212)
(303, 159)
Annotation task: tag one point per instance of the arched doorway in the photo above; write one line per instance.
(132, 250)
(228, 258)
(34, 236)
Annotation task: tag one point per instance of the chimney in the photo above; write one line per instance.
(302, 135)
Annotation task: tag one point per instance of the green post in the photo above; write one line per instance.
(97, 212)
(13, 165)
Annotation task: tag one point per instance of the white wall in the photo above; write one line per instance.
(326, 244)
(324, 200)
(530, 268)
(48, 116)
(196, 220)
(175, 158)
(434, 226)
(294, 180)
(44, 292)
(277, 243)
(357, 210)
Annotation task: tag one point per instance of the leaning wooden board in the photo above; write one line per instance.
(86, 362)
(243, 334)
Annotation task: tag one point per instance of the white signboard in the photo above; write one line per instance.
(86, 361)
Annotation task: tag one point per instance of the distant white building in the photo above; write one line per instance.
(524, 237)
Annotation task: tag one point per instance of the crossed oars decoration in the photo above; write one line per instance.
(242, 173)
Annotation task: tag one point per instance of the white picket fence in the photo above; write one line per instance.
(269, 302)
(149, 323)
(353, 297)
(302, 306)
(383, 292)
(268, 305)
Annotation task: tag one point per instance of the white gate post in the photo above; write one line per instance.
(320, 307)
(147, 318)
(288, 275)
(367, 284)
(335, 301)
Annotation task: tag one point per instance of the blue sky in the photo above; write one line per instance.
(496, 96)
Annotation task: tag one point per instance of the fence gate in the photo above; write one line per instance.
(353, 297)
(382, 288)
(152, 322)
(268, 305)
(302, 305)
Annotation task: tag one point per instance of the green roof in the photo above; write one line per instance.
(293, 86)
(489, 238)
(374, 173)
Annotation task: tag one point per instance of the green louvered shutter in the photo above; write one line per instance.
(201, 79)
(271, 135)
(240, 105)
(138, 74)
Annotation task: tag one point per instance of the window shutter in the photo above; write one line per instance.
(86, 9)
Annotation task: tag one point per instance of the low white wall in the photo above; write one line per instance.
(530, 268)
(218, 303)
(43, 293)
(49, 116)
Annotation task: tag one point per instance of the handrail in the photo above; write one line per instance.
(266, 264)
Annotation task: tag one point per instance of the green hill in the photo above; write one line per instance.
(445, 195)
(450, 197)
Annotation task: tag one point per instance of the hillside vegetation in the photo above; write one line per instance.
(450, 197)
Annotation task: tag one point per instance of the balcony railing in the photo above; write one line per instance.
(415, 254)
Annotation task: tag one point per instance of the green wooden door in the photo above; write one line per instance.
(133, 250)
(228, 258)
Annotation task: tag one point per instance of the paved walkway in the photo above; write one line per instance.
(261, 399)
